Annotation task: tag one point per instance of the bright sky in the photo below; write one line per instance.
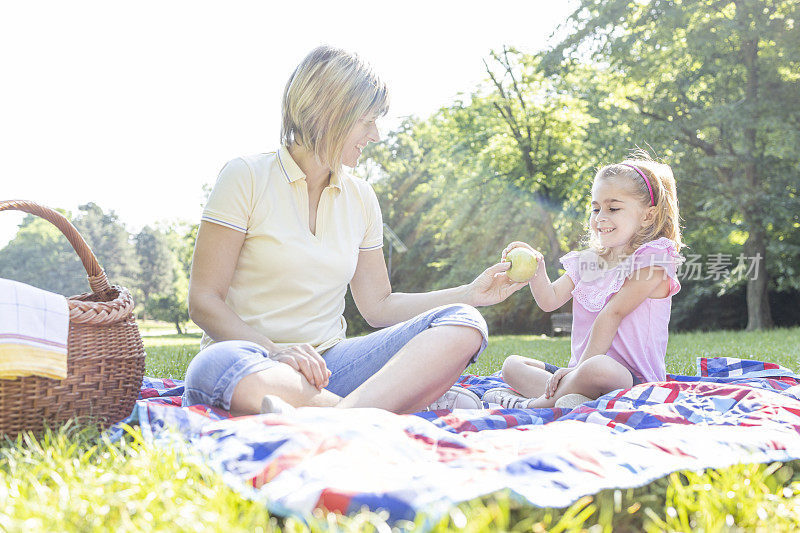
(136, 105)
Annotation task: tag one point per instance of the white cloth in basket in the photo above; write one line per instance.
(34, 325)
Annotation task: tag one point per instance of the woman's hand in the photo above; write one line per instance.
(552, 384)
(305, 359)
(493, 286)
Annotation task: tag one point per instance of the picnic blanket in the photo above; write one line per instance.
(342, 460)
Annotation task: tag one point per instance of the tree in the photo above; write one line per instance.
(542, 119)
(157, 264)
(515, 161)
(111, 243)
(720, 77)
(170, 307)
(41, 256)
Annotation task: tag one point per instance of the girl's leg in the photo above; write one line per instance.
(527, 376)
(593, 378)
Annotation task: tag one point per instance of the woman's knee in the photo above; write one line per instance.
(473, 338)
(460, 315)
(213, 372)
(217, 357)
(473, 333)
(459, 343)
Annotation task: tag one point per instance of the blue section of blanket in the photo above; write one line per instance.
(733, 411)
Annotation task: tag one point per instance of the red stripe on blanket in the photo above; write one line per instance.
(793, 410)
(446, 451)
(703, 366)
(673, 394)
(734, 391)
(783, 379)
(777, 445)
(511, 421)
(208, 411)
(673, 450)
(619, 395)
(317, 443)
(455, 422)
(335, 501)
(584, 461)
(621, 418)
(280, 464)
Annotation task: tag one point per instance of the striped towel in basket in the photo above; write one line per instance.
(34, 325)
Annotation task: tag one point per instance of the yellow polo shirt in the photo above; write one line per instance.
(290, 284)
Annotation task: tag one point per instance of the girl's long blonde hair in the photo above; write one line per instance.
(326, 94)
(666, 222)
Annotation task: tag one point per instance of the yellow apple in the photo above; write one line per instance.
(523, 264)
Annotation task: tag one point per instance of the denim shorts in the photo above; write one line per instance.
(553, 368)
(213, 373)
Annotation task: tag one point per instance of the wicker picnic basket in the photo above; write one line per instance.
(105, 354)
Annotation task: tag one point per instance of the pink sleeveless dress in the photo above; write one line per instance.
(641, 340)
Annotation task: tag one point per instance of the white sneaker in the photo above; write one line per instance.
(273, 404)
(457, 398)
(507, 398)
(571, 401)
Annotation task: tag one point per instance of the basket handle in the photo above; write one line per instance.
(97, 277)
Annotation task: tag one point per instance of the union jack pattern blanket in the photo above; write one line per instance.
(342, 460)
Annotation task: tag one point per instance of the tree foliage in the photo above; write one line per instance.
(157, 263)
(711, 87)
(40, 255)
(512, 163)
(111, 242)
(718, 91)
(152, 264)
(169, 307)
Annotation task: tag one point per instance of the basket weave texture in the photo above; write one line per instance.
(105, 354)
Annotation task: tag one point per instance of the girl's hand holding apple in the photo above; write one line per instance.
(524, 261)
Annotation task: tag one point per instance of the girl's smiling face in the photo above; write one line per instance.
(616, 215)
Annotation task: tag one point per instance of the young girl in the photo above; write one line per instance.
(622, 288)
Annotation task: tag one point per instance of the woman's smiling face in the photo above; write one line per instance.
(616, 214)
(364, 132)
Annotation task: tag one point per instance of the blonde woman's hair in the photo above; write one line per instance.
(327, 93)
(666, 221)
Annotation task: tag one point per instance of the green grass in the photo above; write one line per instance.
(71, 479)
(169, 355)
(780, 346)
(154, 328)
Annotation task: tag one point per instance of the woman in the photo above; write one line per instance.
(282, 236)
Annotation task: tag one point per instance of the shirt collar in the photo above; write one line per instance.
(292, 172)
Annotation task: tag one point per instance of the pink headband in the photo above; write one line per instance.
(647, 181)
